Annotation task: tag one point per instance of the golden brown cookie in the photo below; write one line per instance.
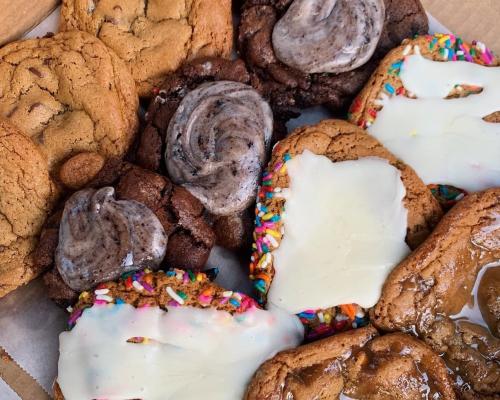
(435, 283)
(154, 37)
(69, 94)
(359, 364)
(26, 197)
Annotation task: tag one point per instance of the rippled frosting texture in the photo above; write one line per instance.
(100, 238)
(217, 142)
(329, 36)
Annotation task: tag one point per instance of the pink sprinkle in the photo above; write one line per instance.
(100, 302)
(267, 177)
(259, 245)
(490, 55)
(268, 224)
(278, 166)
(260, 229)
(224, 300)
(185, 277)
(77, 314)
(149, 288)
(205, 299)
(486, 57)
(173, 303)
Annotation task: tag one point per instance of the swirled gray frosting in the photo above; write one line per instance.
(101, 238)
(217, 142)
(316, 36)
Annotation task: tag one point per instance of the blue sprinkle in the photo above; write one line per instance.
(269, 195)
(389, 88)
(276, 218)
(234, 302)
(119, 301)
(287, 157)
(171, 273)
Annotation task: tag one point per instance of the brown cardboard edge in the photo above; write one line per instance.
(19, 380)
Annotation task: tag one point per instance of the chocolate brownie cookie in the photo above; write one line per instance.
(180, 313)
(27, 195)
(69, 94)
(190, 238)
(357, 364)
(154, 38)
(333, 144)
(432, 102)
(430, 292)
(219, 154)
(287, 46)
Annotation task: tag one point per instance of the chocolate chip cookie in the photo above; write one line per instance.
(286, 45)
(154, 37)
(27, 195)
(69, 93)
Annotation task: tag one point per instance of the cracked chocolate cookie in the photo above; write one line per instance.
(287, 46)
(154, 37)
(211, 132)
(69, 93)
(354, 365)
(455, 151)
(176, 214)
(335, 208)
(444, 293)
(169, 325)
(27, 195)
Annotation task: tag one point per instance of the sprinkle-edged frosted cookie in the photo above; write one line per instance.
(154, 37)
(434, 102)
(336, 211)
(151, 335)
(447, 292)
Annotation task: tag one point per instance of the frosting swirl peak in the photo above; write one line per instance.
(101, 238)
(328, 36)
(217, 142)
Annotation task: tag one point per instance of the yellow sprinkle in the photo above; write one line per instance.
(443, 39)
(327, 318)
(199, 277)
(274, 233)
(145, 340)
(83, 295)
(283, 169)
(267, 216)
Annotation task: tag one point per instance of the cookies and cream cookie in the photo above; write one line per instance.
(445, 292)
(435, 103)
(27, 194)
(169, 335)
(122, 223)
(303, 53)
(70, 94)
(154, 38)
(358, 365)
(336, 212)
(211, 132)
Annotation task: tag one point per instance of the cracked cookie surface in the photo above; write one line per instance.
(154, 37)
(26, 196)
(69, 94)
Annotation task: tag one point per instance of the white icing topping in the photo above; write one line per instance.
(316, 36)
(445, 141)
(345, 227)
(192, 353)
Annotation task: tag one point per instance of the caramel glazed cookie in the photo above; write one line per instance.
(69, 94)
(296, 49)
(120, 223)
(434, 102)
(211, 133)
(27, 195)
(373, 209)
(153, 335)
(357, 364)
(448, 293)
(154, 37)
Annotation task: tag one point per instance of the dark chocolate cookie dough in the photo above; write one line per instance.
(289, 88)
(190, 238)
(233, 229)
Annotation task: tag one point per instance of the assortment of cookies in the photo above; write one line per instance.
(132, 144)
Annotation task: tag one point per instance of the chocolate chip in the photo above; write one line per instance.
(35, 71)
